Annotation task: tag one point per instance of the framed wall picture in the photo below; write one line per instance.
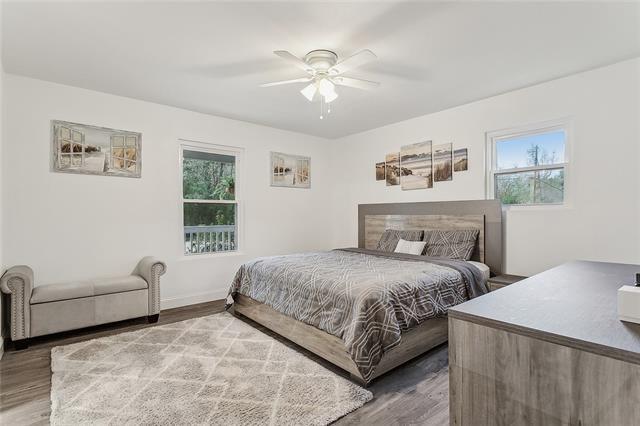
(460, 160)
(291, 171)
(380, 175)
(84, 149)
(392, 168)
(416, 166)
(442, 162)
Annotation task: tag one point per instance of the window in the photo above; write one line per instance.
(209, 199)
(528, 166)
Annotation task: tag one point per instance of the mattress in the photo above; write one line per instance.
(484, 269)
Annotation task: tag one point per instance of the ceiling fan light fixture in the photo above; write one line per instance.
(309, 92)
(325, 86)
(330, 96)
(327, 89)
(325, 73)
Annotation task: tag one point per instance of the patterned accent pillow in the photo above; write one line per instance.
(389, 239)
(458, 244)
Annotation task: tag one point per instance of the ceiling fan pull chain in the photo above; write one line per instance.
(321, 100)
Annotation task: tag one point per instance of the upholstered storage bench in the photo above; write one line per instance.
(47, 309)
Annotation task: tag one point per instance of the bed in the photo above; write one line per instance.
(368, 311)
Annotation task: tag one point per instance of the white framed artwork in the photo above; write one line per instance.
(84, 149)
(290, 171)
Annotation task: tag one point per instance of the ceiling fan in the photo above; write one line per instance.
(325, 73)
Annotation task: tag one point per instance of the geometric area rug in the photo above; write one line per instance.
(202, 371)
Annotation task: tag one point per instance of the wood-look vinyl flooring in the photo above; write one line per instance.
(415, 393)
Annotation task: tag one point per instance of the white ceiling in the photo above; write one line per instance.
(210, 57)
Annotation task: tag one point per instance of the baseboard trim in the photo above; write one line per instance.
(192, 299)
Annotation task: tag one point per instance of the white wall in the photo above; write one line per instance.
(602, 215)
(74, 227)
(69, 226)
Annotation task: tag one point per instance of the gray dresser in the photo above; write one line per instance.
(547, 350)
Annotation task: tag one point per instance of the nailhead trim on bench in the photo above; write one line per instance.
(16, 285)
(154, 296)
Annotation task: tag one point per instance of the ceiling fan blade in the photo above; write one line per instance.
(291, 58)
(355, 82)
(353, 61)
(279, 83)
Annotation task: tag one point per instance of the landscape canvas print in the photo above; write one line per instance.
(80, 148)
(460, 160)
(292, 171)
(415, 166)
(380, 171)
(442, 162)
(392, 169)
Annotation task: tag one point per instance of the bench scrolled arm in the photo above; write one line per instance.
(18, 283)
(151, 269)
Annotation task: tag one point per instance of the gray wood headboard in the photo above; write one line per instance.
(484, 215)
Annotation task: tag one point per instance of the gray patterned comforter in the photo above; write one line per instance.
(367, 298)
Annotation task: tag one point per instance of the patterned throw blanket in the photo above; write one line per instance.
(365, 297)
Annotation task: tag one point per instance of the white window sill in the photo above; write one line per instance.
(209, 256)
(535, 207)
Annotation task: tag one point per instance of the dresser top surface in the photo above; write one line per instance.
(575, 304)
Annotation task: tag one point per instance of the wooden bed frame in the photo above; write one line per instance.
(427, 335)
(373, 220)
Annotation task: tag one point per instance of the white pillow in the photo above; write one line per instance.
(410, 247)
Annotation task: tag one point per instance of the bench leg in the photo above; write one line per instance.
(153, 318)
(21, 344)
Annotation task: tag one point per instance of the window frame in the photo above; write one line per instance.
(492, 137)
(211, 148)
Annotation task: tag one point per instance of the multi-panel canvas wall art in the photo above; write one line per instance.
(415, 166)
(392, 169)
(291, 171)
(79, 148)
(460, 160)
(419, 165)
(442, 162)
(380, 171)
